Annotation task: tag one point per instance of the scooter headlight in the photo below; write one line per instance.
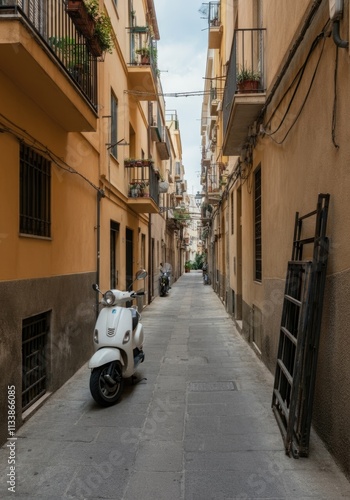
(109, 298)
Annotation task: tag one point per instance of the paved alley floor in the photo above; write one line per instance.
(199, 428)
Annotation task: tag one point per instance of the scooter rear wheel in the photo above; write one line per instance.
(103, 392)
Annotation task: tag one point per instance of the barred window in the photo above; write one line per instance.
(35, 332)
(257, 225)
(232, 214)
(114, 125)
(35, 193)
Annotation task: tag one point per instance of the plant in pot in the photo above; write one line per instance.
(99, 31)
(84, 22)
(188, 266)
(74, 55)
(103, 32)
(144, 189)
(145, 54)
(248, 81)
(134, 190)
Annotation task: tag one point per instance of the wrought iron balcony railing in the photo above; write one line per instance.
(244, 93)
(246, 64)
(53, 27)
(214, 17)
(143, 49)
(143, 181)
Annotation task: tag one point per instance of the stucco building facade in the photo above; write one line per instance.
(85, 145)
(267, 153)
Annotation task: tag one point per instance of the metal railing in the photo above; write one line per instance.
(143, 183)
(172, 119)
(214, 16)
(55, 29)
(143, 49)
(247, 56)
(35, 332)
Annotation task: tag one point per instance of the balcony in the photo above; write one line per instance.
(50, 61)
(143, 190)
(213, 188)
(178, 191)
(215, 27)
(159, 135)
(178, 171)
(241, 107)
(142, 69)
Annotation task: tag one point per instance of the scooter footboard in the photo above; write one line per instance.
(105, 355)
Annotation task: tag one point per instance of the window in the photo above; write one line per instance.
(114, 125)
(143, 251)
(232, 214)
(257, 225)
(35, 331)
(35, 193)
(114, 233)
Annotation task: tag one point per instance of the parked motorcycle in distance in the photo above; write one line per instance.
(118, 343)
(164, 279)
(205, 274)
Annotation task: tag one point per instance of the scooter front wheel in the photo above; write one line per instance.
(105, 387)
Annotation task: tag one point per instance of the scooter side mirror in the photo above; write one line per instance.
(141, 274)
(95, 287)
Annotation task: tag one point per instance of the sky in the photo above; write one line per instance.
(182, 51)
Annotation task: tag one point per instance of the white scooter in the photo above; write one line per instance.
(118, 343)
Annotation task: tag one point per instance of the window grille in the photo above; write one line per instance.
(35, 193)
(114, 232)
(34, 372)
(114, 125)
(232, 214)
(257, 225)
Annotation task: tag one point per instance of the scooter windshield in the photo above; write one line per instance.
(167, 268)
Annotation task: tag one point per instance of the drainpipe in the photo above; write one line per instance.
(100, 195)
(150, 270)
(343, 44)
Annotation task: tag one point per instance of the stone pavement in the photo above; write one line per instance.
(199, 428)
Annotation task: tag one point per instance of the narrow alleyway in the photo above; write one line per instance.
(199, 428)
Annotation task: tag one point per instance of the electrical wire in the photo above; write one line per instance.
(194, 93)
(298, 78)
(23, 136)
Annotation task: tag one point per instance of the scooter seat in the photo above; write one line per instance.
(135, 318)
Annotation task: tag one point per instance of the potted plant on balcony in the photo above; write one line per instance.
(74, 55)
(101, 41)
(134, 190)
(144, 189)
(79, 13)
(99, 31)
(248, 81)
(145, 54)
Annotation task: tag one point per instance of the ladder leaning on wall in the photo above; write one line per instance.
(295, 374)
